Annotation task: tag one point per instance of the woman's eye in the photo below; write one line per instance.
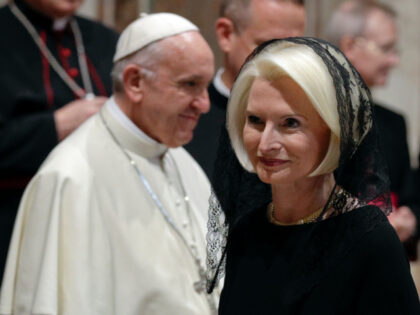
(291, 123)
(254, 119)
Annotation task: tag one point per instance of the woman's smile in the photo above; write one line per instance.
(284, 136)
(271, 162)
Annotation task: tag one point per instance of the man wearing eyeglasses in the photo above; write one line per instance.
(366, 32)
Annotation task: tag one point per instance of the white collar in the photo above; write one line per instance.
(60, 24)
(155, 148)
(219, 85)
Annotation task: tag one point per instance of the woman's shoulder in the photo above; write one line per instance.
(379, 249)
(369, 224)
(363, 217)
(382, 242)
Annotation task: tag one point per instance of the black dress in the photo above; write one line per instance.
(349, 264)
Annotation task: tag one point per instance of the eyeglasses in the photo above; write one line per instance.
(374, 47)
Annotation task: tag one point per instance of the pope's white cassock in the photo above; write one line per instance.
(89, 239)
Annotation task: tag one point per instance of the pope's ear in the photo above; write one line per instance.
(133, 82)
(225, 30)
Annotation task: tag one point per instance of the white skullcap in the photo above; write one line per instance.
(150, 28)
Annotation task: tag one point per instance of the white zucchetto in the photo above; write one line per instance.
(150, 28)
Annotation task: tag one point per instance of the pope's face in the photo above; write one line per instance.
(56, 8)
(284, 136)
(176, 97)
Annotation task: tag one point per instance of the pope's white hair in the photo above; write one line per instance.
(307, 69)
(147, 57)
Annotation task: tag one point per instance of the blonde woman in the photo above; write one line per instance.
(300, 117)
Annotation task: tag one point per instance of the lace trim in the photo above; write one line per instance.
(217, 233)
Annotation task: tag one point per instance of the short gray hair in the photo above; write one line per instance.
(350, 19)
(147, 58)
(308, 70)
(238, 11)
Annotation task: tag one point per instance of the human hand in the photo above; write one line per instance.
(404, 222)
(73, 114)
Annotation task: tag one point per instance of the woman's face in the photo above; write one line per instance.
(284, 135)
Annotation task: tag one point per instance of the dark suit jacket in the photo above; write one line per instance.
(393, 143)
(205, 142)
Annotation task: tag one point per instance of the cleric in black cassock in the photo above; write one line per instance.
(32, 90)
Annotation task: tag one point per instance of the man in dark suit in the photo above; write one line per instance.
(242, 26)
(366, 32)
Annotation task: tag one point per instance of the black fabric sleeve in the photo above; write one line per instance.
(387, 286)
(26, 142)
(27, 126)
(404, 166)
(408, 196)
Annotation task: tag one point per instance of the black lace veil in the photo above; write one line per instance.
(361, 171)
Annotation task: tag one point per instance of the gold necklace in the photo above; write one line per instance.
(308, 219)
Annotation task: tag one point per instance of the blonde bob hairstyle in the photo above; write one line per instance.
(307, 69)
